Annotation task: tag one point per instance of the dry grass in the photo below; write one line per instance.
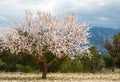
(60, 77)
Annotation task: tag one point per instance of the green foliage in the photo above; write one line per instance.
(114, 47)
(118, 63)
(26, 63)
(92, 64)
(87, 64)
(107, 62)
(2, 65)
(55, 66)
(76, 66)
(71, 65)
(1, 62)
(114, 50)
(8, 58)
(116, 41)
(21, 68)
(65, 66)
(27, 60)
(8, 62)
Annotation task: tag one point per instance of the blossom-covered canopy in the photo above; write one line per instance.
(35, 34)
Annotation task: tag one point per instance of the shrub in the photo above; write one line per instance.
(71, 65)
(76, 66)
(65, 66)
(22, 68)
(2, 65)
(27, 69)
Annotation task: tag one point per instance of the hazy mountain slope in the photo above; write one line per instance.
(99, 36)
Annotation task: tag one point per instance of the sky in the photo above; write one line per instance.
(99, 13)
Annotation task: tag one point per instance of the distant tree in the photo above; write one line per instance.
(97, 63)
(71, 65)
(35, 35)
(9, 59)
(94, 63)
(107, 60)
(118, 62)
(114, 49)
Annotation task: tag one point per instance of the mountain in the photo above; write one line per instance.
(100, 35)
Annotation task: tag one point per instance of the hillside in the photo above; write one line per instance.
(99, 36)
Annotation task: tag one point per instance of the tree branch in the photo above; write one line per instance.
(54, 60)
(37, 58)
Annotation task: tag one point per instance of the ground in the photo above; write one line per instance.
(60, 77)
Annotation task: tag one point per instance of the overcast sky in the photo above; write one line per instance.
(101, 13)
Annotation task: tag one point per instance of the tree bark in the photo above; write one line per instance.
(38, 66)
(113, 65)
(45, 69)
(52, 61)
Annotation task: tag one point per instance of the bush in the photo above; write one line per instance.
(65, 66)
(12, 63)
(2, 65)
(19, 67)
(26, 60)
(9, 60)
(108, 62)
(22, 68)
(27, 69)
(76, 66)
(93, 64)
(70, 65)
(1, 62)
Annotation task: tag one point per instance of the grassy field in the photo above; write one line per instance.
(60, 77)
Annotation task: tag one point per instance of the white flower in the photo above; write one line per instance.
(61, 36)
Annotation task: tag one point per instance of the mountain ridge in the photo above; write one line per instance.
(100, 35)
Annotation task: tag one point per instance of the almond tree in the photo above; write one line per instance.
(43, 32)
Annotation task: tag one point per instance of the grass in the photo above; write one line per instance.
(60, 77)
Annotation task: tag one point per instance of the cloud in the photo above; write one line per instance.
(96, 12)
(3, 18)
(53, 5)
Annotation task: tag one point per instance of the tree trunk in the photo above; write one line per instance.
(113, 65)
(45, 69)
(38, 66)
(46, 66)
